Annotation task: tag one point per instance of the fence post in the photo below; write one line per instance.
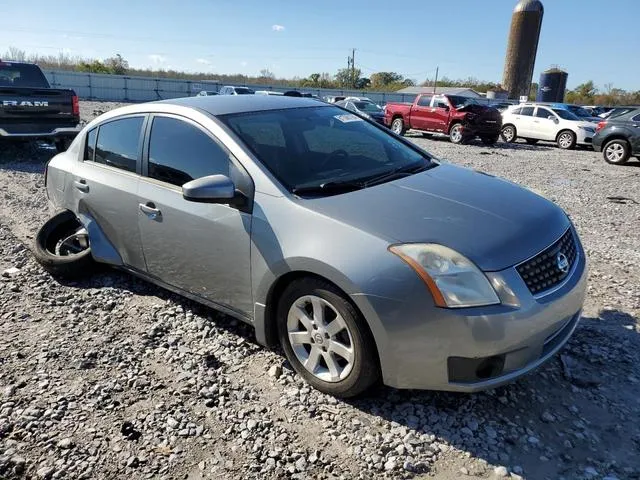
(126, 89)
(90, 87)
(53, 78)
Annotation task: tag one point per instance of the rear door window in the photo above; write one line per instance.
(180, 152)
(119, 142)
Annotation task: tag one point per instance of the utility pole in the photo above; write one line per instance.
(435, 83)
(353, 68)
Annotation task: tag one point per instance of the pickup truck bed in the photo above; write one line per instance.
(31, 110)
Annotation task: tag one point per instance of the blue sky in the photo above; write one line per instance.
(591, 39)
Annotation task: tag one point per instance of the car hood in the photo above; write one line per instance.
(491, 221)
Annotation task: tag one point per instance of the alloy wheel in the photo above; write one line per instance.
(73, 244)
(320, 338)
(614, 152)
(508, 134)
(565, 140)
(396, 127)
(456, 134)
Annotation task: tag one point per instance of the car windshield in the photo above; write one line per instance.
(368, 107)
(244, 91)
(566, 114)
(316, 147)
(579, 111)
(459, 102)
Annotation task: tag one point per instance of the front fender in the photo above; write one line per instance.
(101, 248)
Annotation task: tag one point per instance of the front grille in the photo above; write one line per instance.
(543, 271)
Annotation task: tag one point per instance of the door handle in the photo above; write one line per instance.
(81, 185)
(150, 210)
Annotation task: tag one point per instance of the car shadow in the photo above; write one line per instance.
(526, 424)
(477, 143)
(506, 426)
(29, 157)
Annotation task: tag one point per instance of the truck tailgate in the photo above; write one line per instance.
(26, 110)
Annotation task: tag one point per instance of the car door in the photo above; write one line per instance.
(544, 124)
(201, 248)
(439, 114)
(106, 185)
(524, 121)
(420, 112)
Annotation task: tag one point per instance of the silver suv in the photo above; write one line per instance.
(357, 252)
(236, 91)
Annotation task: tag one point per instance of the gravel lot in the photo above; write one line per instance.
(114, 377)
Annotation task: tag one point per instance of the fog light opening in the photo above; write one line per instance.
(490, 367)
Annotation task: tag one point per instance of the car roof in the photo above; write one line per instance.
(226, 104)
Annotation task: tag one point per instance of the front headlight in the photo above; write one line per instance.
(453, 280)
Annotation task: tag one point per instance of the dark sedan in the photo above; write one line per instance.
(365, 108)
(618, 138)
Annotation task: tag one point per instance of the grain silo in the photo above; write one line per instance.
(552, 85)
(522, 47)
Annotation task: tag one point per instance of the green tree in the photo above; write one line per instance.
(117, 65)
(382, 79)
(348, 78)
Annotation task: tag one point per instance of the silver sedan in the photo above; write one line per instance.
(360, 254)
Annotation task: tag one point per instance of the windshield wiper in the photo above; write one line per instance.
(397, 173)
(329, 187)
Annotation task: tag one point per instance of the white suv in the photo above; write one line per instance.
(535, 122)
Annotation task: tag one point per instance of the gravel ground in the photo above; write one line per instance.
(112, 376)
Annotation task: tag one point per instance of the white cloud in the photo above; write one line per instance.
(244, 63)
(157, 59)
(203, 61)
(277, 28)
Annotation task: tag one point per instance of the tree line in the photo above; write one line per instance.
(348, 78)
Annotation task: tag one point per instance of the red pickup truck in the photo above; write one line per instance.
(462, 118)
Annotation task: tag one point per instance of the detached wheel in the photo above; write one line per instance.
(456, 134)
(509, 133)
(62, 247)
(325, 339)
(489, 140)
(616, 152)
(397, 126)
(566, 140)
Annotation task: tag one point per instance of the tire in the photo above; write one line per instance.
(616, 152)
(566, 140)
(309, 305)
(457, 135)
(509, 133)
(532, 141)
(397, 126)
(489, 140)
(66, 263)
(62, 145)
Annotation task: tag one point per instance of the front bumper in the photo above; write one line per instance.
(473, 349)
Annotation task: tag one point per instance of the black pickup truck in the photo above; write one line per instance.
(31, 110)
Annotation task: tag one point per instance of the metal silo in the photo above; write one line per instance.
(522, 47)
(553, 83)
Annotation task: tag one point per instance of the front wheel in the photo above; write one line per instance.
(616, 152)
(509, 133)
(397, 126)
(325, 339)
(566, 140)
(489, 140)
(456, 134)
(62, 246)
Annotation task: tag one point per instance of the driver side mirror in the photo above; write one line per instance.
(213, 189)
(552, 118)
